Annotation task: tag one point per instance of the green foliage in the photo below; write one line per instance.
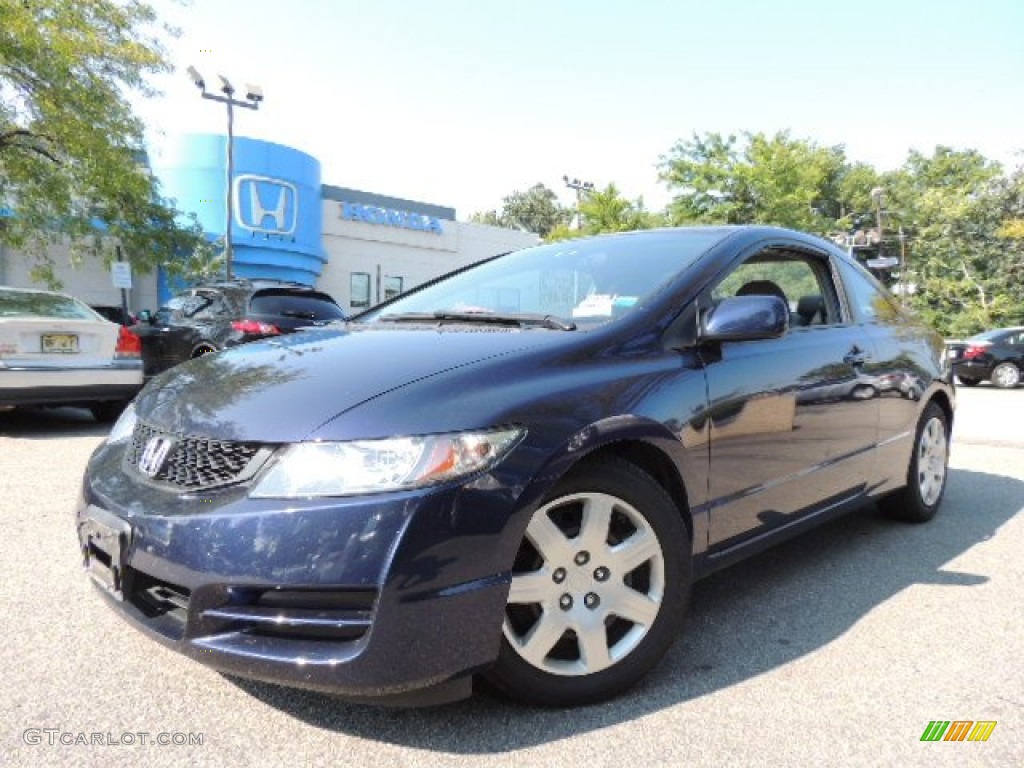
(763, 180)
(71, 150)
(607, 210)
(535, 210)
(969, 270)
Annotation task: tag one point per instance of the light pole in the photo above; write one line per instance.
(253, 97)
(878, 195)
(580, 187)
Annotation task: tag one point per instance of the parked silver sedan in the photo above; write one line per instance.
(55, 350)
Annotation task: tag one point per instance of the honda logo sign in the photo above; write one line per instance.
(154, 455)
(266, 205)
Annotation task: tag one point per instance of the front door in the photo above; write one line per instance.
(794, 420)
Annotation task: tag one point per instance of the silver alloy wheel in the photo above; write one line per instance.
(1006, 376)
(597, 588)
(931, 461)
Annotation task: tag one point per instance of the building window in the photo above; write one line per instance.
(392, 287)
(359, 289)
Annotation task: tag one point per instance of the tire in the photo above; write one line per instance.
(108, 410)
(608, 539)
(919, 499)
(968, 382)
(1005, 375)
(203, 348)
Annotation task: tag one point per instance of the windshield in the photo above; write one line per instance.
(15, 303)
(585, 282)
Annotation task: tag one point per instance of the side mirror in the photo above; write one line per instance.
(745, 318)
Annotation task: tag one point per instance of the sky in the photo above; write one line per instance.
(462, 102)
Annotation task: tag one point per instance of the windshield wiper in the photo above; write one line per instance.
(516, 320)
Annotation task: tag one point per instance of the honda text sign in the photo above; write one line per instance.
(266, 205)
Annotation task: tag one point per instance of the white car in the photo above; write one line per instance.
(55, 350)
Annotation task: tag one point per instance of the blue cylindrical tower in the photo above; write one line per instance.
(276, 216)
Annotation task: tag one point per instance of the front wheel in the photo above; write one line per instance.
(599, 588)
(1006, 376)
(919, 500)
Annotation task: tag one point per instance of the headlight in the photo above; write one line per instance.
(376, 466)
(124, 426)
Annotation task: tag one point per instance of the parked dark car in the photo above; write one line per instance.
(517, 470)
(996, 356)
(212, 317)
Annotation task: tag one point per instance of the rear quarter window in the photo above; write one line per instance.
(869, 301)
(311, 306)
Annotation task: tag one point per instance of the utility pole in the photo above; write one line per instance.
(878, 195)
(580, 187)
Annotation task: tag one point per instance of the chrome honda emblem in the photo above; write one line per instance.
(154, 454)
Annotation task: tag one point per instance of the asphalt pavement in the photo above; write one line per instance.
(838, 648)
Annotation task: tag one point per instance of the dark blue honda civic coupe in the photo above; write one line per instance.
(517, 470)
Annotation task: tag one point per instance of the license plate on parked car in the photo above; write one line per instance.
(60, 343)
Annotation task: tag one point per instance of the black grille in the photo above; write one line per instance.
(195, 462)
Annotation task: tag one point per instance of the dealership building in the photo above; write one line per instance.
(360, 247)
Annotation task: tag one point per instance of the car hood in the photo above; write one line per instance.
(281, 390)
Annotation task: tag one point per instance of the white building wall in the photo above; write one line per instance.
(383, 251)
(89, 280)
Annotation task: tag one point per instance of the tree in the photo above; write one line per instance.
(536, 210)
(959, 210)
(71, 149)
(763, 180)
(608, 211)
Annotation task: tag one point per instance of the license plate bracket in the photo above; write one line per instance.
(59, 343)
(105, 539)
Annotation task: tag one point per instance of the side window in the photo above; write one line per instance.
(208, 305)
(802, 280)
(869, 301)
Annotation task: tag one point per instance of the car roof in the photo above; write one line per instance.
(998, 331)
(14, 289)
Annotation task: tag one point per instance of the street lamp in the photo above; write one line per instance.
(878, 195)
(580, 187)
(253, 97)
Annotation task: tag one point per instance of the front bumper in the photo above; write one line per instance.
(397, 598)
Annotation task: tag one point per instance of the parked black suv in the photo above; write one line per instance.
(213, 316)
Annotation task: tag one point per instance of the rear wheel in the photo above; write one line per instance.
(919, 500)
(1006, 376)
(203, 348)
(599, 588)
